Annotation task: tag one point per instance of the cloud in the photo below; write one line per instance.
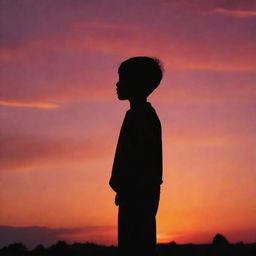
(233, 13)
(33, 235)
(207, 87)
(57, 54)
(83, 26)
(30, 236)
(128, 36)
(237, 13)
(43, 105)
(207, 6)
(19, 152)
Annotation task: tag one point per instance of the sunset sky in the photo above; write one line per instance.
(60, 117)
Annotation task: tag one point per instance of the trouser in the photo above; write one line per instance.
(137, 226)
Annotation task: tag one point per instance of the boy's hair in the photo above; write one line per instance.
(148, 72)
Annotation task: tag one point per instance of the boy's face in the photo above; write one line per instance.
(124, 87)
(127, 86)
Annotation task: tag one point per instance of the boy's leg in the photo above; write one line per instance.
(137, 226)
(124, 229)
(145, 227)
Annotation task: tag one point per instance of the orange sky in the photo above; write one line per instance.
(60, 118)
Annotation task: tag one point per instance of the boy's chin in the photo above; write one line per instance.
(122, 97)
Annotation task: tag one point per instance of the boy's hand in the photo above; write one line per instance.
(117, 199)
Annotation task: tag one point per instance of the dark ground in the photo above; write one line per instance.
(171, 249)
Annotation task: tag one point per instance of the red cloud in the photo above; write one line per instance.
(44, 105)
(27, 152)
(236, 13)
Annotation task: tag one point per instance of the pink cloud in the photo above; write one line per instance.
(77, 61)
(233, 13)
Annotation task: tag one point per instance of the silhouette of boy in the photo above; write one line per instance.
(137, 168)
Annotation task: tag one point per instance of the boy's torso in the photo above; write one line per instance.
(138, 160)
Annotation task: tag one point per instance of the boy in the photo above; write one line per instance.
(137, 168)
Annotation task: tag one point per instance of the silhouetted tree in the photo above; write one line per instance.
(220, 240)
(60, 248)
(14, 249)
(39, 250)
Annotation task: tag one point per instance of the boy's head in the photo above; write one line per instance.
(138, 77)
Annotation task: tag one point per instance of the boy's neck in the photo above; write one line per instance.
(137, 103)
